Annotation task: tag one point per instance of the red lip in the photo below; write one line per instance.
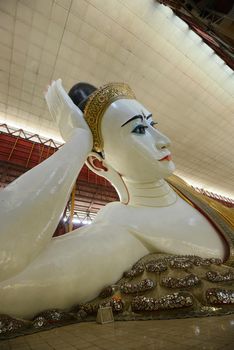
(169, 157)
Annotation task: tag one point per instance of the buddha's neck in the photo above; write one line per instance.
(153, 194)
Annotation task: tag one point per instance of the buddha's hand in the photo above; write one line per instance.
(66, 114)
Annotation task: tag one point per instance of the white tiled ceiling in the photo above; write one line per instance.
(188, 88)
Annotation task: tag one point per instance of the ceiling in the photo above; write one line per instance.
(189, 89)
(213, 20)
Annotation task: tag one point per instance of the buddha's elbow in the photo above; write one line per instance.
(11, 264)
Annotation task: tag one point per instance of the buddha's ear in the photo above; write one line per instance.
(97, 164)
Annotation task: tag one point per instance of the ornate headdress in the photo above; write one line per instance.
(97, 104)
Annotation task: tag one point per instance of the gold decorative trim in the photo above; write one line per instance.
(97, 104)
(217, 213)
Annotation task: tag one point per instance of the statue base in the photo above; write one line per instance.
(159, 286)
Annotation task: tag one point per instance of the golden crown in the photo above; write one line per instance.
(97, 104)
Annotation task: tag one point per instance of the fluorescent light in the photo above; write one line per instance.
(76, 221)
(166, 10)
(195, 37)
(215, 190)
(37, 130)
(182, 25)
(218, 60)
(206, 48)
(86, 222)
(228, 70)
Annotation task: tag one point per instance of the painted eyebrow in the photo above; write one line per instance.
(148, 116)
(135, 117)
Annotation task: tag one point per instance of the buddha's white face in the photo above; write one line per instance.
(132, 144)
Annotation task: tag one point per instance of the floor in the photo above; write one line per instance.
(198, 333)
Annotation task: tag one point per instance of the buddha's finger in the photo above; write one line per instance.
(55, 101)
(63, 97)
(51, 102)
(62, 93)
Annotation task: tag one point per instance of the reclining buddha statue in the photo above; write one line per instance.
(117, 138)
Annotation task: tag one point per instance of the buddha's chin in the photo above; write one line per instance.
(172, 166)
(168, 171)
(168, 167)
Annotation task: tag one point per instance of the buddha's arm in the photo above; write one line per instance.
(72, 269)
(31, 206)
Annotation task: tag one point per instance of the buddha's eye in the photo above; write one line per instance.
(140, 129)
(153, 124)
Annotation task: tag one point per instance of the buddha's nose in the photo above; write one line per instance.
(162, 141)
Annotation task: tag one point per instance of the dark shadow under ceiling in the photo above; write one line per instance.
(213, 20)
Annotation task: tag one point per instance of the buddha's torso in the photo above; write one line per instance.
(177, 229)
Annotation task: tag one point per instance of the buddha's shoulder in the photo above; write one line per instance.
(113, 208)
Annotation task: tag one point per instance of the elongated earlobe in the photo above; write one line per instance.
(97, 164)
